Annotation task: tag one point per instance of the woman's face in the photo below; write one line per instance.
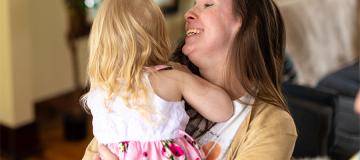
(210, 29)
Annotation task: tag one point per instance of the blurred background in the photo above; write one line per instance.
(43, 56)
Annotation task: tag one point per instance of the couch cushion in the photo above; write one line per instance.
(320, 35)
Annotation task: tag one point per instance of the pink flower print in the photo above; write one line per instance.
(192, 142)
(165, 152)
(123, 146)
(145, 154)
(176, 150)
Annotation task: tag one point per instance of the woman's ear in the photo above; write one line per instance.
(237, 24)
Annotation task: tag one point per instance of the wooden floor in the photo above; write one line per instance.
(49, 117)
(55, 147)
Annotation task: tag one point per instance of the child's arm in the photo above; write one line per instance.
(209, 100)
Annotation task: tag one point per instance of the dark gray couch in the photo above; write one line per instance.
(345, 83)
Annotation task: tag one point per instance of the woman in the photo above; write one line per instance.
(239, 45)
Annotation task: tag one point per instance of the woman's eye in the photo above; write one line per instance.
(208, 5)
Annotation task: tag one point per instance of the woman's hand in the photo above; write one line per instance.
(105, 153)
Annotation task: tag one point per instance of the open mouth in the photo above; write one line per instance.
(191, 32)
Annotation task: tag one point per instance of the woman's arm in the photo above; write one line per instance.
(265, 145)
(91, 150)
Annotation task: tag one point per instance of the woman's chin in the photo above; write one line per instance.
(187, 50)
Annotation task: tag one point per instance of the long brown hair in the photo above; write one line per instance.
(256, 57)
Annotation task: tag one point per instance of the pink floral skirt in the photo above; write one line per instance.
(182, 148)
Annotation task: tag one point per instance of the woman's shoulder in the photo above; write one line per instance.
(276, 119)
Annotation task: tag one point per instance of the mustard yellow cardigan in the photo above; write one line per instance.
(268, 132)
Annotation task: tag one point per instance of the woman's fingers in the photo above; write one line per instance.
(96, 157)
(105, 153)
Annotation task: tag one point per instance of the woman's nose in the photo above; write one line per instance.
(190, 15)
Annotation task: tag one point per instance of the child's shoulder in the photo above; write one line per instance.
(167, 84)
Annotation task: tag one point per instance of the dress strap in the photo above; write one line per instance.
(155, 69)
(159, 67)
(162, 67)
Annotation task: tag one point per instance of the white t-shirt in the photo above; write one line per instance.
(218, 139)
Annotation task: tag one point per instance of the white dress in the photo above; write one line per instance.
(130, 136)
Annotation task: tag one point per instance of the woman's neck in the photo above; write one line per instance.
(213, 75)
(216, 75)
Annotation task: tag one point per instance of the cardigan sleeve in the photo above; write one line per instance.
(271, 135)
(91, 150)
(267, 145)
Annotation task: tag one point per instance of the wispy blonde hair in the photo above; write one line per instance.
(126, 36)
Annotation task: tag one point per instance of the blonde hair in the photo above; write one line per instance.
(126, 36)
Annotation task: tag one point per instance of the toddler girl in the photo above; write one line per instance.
(135, 97)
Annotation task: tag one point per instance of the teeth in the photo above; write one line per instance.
(192, 32)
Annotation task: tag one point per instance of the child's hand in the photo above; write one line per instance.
(105, 153)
